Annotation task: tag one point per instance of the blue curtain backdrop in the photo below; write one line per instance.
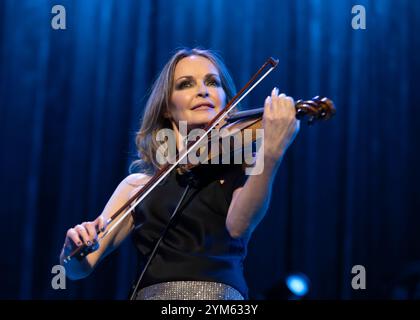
(346, 194)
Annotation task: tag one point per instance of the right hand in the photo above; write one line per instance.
(85, 233)
(279, 123)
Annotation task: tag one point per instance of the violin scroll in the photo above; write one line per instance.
(318, 108)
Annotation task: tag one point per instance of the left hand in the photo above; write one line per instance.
(279, 123)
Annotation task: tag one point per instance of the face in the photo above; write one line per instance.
(197, 93)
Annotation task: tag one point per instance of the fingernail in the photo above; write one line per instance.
(89, 243)
(79, 243)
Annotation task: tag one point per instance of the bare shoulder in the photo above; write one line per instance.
(136, 180)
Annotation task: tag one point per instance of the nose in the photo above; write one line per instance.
(203, 90)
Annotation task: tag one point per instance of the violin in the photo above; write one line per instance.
(233, 123)
(318, 108)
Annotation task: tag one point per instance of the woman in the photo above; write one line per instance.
(201, 255)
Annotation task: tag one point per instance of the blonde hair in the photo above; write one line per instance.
(158, 103)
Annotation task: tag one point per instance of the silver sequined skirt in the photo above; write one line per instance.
(189, 290)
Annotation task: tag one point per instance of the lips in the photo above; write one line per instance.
(203, 105)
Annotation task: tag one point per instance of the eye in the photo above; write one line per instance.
(184, 84)
(213, 82)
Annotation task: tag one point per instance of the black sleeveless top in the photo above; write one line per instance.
(197, 245)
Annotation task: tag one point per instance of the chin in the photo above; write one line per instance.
(197, 125)
(200, 121)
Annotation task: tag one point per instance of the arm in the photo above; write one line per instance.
(250, 202)
(87, 232)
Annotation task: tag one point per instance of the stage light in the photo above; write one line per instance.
(295, 286)
(298, 284)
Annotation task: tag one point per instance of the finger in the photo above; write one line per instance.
(285, 104)
(83, 234)
(91, 230)
(267, 104)
(278, 101)
(274, 93)
(100, 224)
(290, 102)
(74, 237)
